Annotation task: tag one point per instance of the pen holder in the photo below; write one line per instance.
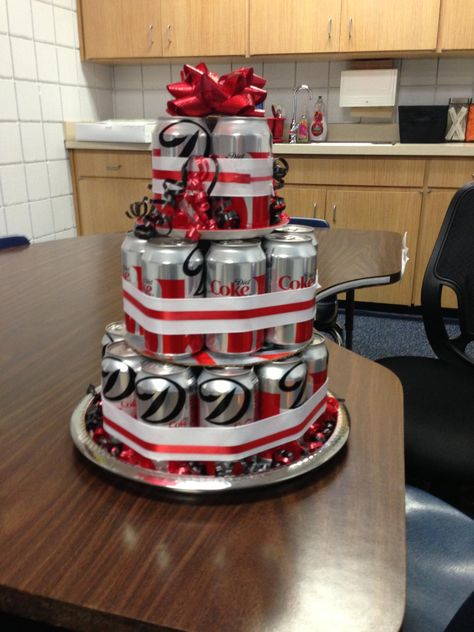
(276, 125)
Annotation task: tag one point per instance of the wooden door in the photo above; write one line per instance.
(456, 25)
(120, 29)
(204, 27)
(391, 25)
(434, 209)
(397, 211)
(103, 202)
(294, 26)
(304, 201)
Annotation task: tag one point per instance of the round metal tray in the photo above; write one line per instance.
(198, 484)
(230, 233)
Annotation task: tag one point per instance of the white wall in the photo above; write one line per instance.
(42, 83)
(141, 90)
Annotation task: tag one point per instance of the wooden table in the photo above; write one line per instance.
(82, 549)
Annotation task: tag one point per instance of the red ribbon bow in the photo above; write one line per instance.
(201, 92)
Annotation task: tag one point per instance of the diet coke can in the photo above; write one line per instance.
(114, 332)
(227, 396)
(245, 137)
(316, 358)
(299, 229)
(173, 268)
(282, 386)
(165, 394)
(291, 265)
(235, 268)
(181, 137)
(132, 252)
(120, 366)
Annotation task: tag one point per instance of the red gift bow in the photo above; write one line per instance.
(201, 92)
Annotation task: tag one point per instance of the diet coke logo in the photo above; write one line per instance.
(292, 382)
(118, 380)
(230, 406)
(164, 405)
(193, 266)
(186, 142)
(238, 287)
(286, 282)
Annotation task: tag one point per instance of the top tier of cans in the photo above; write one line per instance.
(174, 268)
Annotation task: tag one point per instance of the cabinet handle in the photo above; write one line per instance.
(334, 209)
(151, 41)
(315, 208)
(168, 34)
(350, 28)
(330, 28)
(113, 167)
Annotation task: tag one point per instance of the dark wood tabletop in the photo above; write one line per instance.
(83, 549)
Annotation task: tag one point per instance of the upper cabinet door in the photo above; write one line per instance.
(391, 25)
(120, 29)
(294, 26)
(204, 27)
(456, 25)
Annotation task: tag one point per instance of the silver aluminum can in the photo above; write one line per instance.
(235, 268)
(282, 386)
(227, 396)
(120, 366)
(181, 136)
(291, 265)
(165, 394)
(316, 358)
(299, 229)
(132, 251)
(114, 332)
(242, 137)
(173, 268)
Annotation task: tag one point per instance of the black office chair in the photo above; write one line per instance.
(439, 393)
(13, 241)
(440, 565)
(327, 308)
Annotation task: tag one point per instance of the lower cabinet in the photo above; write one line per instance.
(104, 202)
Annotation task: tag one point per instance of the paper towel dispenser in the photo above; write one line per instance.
(368, 88)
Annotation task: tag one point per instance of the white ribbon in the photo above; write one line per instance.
(258, 171)
(213, 443)
(295, 305)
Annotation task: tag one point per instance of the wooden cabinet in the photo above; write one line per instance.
(204, 27)
(391, 25)
(294, 26)
(390, 200)
(456, 25)
(105, 184)
(119, 29)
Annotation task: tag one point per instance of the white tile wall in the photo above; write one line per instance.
(141, 90)
(42, 84)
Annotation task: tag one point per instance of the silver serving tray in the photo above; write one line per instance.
(195, 484)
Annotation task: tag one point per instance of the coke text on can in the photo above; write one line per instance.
(242, 137)
(227, 396)
(291, 265)
(132, 251)
(165, 394)
(282, 386)
(120, 366)
(235, 268)
(173, 268)
(181, 136)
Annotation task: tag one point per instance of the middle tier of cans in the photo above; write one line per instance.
(171, 395)
(174, 268)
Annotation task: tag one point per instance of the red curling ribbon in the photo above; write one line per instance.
(201, 92)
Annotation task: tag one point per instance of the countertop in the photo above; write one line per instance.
(459, 150)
